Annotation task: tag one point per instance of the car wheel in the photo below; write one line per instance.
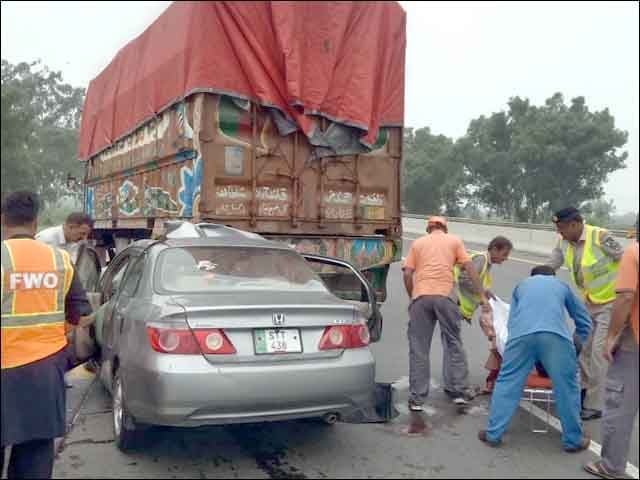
(127, 434)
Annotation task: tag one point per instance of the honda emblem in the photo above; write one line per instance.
(278, 319)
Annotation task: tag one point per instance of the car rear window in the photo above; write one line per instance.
(215, 269)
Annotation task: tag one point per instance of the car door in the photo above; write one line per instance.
(109, 288)
(88, 269)
(121, 319)
(346, 282)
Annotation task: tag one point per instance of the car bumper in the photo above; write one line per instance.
(186, 391)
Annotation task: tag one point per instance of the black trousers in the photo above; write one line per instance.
(32, 459)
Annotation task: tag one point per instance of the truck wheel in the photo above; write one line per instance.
(126, 432)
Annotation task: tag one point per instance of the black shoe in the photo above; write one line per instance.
(482, 436)
(590, 414)
(415, 407)
(471, 393)
(453, 394)
(467, 394)
(584, 444)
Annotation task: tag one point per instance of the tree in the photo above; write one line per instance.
(529, 161)
(599, 212)
(625, 220)
(433, 175)
(40, 127)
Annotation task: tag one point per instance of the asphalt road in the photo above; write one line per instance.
(447, 448)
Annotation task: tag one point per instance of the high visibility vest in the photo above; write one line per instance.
(35, 281)
(469, 301)
(599, 271)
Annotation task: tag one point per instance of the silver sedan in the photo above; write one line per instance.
(227, 327)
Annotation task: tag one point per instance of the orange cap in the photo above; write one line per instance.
(435, 220)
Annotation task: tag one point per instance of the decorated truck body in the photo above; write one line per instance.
(246, 151)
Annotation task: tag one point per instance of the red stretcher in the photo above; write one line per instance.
(538, 390)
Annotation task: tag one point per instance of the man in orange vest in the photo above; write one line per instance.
(40, 292)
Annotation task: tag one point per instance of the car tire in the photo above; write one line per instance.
(127, 434)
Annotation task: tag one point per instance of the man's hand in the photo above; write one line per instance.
(87, 320)
(486, 324)
(577, 344)
(619, 320)
(610, 346)
(407, 275)
(486, 308)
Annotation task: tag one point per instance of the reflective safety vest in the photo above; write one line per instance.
(469, 301)
(35, 281)
(599, 271)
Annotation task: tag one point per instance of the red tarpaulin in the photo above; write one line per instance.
(343, 60)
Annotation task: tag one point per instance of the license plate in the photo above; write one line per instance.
(280, 340)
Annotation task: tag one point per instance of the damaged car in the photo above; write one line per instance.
(212, 325)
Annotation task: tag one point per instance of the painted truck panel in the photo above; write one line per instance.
(217, 159)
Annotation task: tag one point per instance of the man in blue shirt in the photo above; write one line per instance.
(538, 332)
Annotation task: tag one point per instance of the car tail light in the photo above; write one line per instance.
(345, 336)
(173, 340)
(187, 342)
(214, 341)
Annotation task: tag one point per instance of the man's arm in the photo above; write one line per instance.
(514, 296)
(621, 313)
(557, 257)
(477, 284)
(610, 246)
(407, 275)
(626, 290)
(464, 282)
(619, 318)
(579, 313)
(463, 258)
(408, 269)
(514, 302)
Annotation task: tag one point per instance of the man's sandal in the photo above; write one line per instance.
(599, 470)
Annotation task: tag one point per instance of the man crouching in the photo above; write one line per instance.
(537, 332)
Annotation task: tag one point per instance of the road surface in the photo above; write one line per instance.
(448, 447)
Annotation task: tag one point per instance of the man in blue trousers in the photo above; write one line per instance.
(537, 331)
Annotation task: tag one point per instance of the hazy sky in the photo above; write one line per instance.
(463, 59)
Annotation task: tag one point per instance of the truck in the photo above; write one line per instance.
(280, 118)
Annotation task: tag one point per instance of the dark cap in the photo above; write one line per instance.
(566, 215)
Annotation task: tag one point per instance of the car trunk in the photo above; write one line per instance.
(249, 323)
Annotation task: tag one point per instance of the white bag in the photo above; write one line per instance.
(500, 320)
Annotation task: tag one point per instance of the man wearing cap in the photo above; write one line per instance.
(428, 278)
(592, 256)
